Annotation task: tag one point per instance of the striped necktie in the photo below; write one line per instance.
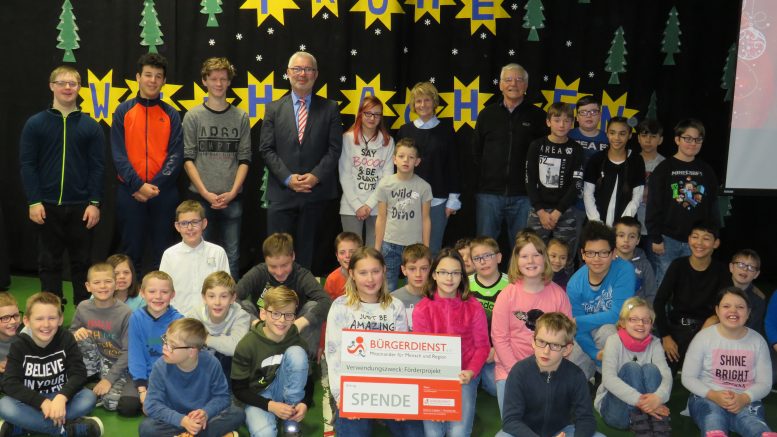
(302, 118)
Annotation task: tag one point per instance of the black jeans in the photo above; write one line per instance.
(63, 230)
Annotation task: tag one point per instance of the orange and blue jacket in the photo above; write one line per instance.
(62, 158)
(147, 143)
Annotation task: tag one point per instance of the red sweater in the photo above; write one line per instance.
(465, 318)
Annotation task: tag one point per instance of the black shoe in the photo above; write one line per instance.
(291, 429)
(6, 428)
(639, 424)
(661, 427)
(85, 427)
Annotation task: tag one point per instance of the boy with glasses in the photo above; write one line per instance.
(270, 368)
(596, 292)
(682, 191)
(193, 259)
(543, 392)
(10, 318)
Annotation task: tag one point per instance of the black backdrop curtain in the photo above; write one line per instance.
(671, 63)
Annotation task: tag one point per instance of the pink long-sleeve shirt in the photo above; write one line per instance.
(511, 337)
(453, 316)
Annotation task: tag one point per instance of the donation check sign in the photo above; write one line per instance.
(400, 375)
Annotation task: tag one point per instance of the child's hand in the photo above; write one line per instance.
(739, 401)
(658, 248)
(600, 354)
(199, 416)
(363, 212)
(281, 410)
(143, 397)
(54, 409)
(102, 387)
(671, 349)
(211, 198)
(661, 412)
(300, 410)
(723, 398)
(2, 365)
(82, 334)
(466, 376)
(561, 434)
(490, 358)
(191, 426)
(649, 402)
(38, 213)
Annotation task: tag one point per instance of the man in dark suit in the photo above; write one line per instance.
(300, 143)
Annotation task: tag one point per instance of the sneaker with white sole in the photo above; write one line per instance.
(86, 426)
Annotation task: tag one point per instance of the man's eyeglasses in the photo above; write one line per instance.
(275, 315)
(8, 317)
(542, 344)
(453, 274)
(300, 70)
(689, 139)
(586, 113)
(166, 344)
(372, 115)
(65, 83)
(186, 223)
(745, 266)
(595, 253)
(484, 257)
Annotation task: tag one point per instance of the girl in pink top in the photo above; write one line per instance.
(529, 295)
(448, 308)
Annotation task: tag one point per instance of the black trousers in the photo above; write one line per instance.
(302, 220)
(64, 229)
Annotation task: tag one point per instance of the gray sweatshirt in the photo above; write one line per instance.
(109, 328)
(223, 337)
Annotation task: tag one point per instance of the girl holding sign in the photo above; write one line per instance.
(366, 304)
(448, 308)
(728, 371)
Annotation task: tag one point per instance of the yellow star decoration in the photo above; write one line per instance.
(484, 13)
(562, 92)
(405, 112)
(355, 96)
(429, 6)
(200, 96)
(465, 99)
(267, 8)
(617, 107)
(166, 93)
(257, 95)
(100, 97)
(317, 5)
(378, 10)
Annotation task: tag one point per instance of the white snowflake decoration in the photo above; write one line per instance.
(483, 35)
(302, 47)
(455, 51)
(569, 43)
(591, 74)
(270, 30)
(511, 52)
(427, 21)
(545, 78)
(325, 15)
(342, 79)
(405, 49)
(285, 76)
(514, 6)
(239, 36)
(496, 81)
(431, 79)
(377, 31)
(259, 58)
(212, 42)
(354, 52)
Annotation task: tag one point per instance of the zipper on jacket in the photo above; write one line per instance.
(64, 152)
(547, 403)
(146, 140)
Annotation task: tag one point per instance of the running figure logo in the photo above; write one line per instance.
(357, 347)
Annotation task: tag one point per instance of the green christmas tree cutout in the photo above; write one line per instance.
(151, 35)
(671, 43)
(263, 188)
(211, 8)
(729, 71)
(652, 110)
(68, 32)
(534, 19)
(616, 61)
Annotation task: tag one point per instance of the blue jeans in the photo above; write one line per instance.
(673, 249)
(643, 378)
(392, 254)
(31, 418)
(227, 421)
(363, 427)
(569, 430)
(439, 222)
(462, 428)
(487, 378)
(493, 209)
(287, 387)
(500, 395)
(224, 230)
(709, 416)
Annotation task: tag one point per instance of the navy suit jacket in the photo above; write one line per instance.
(284, 155)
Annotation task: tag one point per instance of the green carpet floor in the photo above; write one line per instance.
(487, 421)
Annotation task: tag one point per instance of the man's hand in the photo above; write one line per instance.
(308, 180)
(300, 410)
(38, 213)
(102, 387)
(281, 410)
(296, 184)
(81, 334)
(671, 349)
(658, 248)
(91, 216)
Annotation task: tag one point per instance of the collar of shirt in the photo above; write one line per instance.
(420, 124)
(188, 249)
(295, 101)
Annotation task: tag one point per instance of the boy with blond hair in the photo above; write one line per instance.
(279, 268)
(270, 369)
(554, 175)
(147, 325)
(188, 392)
(217, 154)
(416, 262)
(545, 391)
(45, 376)
(225, 320)
(193, 259)
(100, 326)
(10, 319)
